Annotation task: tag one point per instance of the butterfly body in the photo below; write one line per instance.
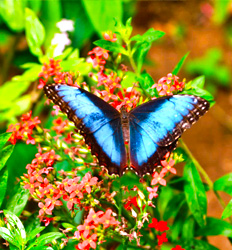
(151, 129)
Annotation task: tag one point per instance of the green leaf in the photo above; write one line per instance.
(165, 195)
(18, 200)
(227, 211)
(16, 227)
(16, 170)
(34, 232)
(45, 239)
(141, 53)
(31, 223)
(8, 236)
(5, 153)
(111, 46)
(128, 80)
(78, 65)
(215, 226)
(195, 193)
(177, 226)
(189, 90)
(12, 247)
(4, 138)
(44, 248)
(224, 184)
(149, 36)
(179, 64)
(221, 11)
(3, 183)
(143, 45)
(15, 88)
(18, 107)
(198, 82)
(188, 227)
(124, 31)
(146, 82)
(197, 245)
(35, 32)
(31, 74)
(102, 13)
(12, 12)
(174, 206)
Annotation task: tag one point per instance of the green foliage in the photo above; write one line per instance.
(35, 32)
(180, 64)
(224, 184)
(195, 193)
(12, 13)
(111, 9)
(16, 235)
(211, 67)
(221, 11)
(195, 87)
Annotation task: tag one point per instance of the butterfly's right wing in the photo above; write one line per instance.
(96, 120)
(155, 127)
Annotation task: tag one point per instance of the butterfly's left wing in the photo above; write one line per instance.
(96, 120)
(155, 127)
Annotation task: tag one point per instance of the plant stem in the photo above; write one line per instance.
(134, 66)
(203, 172)
(132, 62)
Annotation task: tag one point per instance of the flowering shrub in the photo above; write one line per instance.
(74, 198)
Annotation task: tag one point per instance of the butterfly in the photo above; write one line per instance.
(151, 129)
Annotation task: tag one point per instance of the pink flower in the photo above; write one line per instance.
(158, 178)
(152, 192)
(168, 165)
(110, 36)
(166, 86)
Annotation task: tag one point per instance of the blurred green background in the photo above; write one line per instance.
(203, 28)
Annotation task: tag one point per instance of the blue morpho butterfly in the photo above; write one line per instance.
(151, 129)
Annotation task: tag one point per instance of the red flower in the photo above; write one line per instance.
(98, 56)
(131, 201)
(60, 125)
(49, 69)
(178, 247)
(24, 129)
(158, 225)
(161, 239)
(47, 220)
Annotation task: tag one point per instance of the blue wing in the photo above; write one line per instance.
(96, 120)
(156, 125)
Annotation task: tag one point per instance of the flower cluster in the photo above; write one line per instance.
(94, 229)
(48, 70)
(43, 187)
(110, 80)
(23, 130)
(161, 226)
(168, 85)
(158, 178)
